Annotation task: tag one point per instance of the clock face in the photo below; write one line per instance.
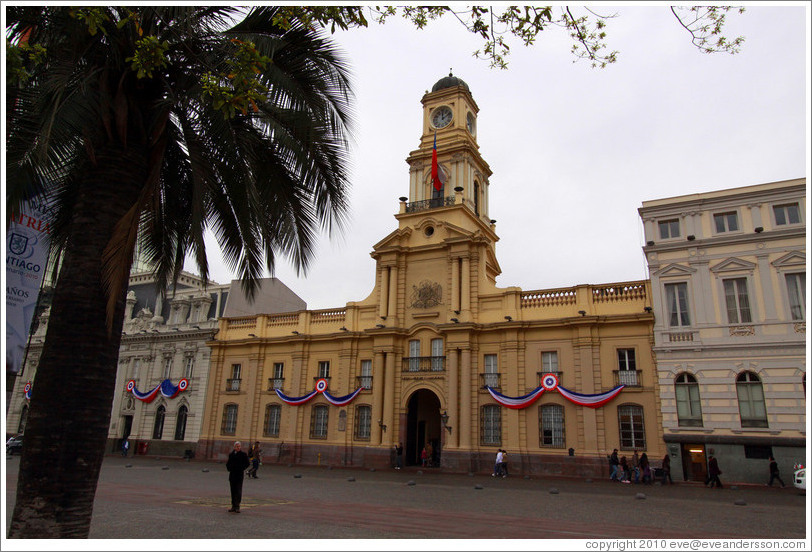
(470, 122)
(441, 117)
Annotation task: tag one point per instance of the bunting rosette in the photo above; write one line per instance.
(27, 390)
(549, 382)
(165, 388)
(321, 387)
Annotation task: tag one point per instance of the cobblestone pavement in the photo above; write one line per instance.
(154, 498)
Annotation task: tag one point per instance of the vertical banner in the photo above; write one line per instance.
(26, 262)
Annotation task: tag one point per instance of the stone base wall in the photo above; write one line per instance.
(153, 448)
(452, 461)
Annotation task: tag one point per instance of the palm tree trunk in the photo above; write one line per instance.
(73, 392)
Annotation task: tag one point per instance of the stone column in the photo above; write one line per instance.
(384, 305)
(378, 384)
(466, 284)
(465, 401)
(455, 284)
(393, 291)
(453, 440)
(767, 290)
(389, 400)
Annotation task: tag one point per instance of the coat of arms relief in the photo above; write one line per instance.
(426, 294)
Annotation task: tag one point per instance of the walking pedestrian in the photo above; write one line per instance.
(624, 471)
(255, 456)
(613, 464)
(125, 447)
(497, 465)
(645, 468)
(774, 473)
(503, 465)
(636, 467)
(424, 457)
(667, 469)
(714, 472)
(399, 456)
(236, 465)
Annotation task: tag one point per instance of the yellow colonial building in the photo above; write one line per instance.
(438, 356)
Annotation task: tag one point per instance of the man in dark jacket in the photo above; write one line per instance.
(236, 465)
(714, 472)
(613, 464)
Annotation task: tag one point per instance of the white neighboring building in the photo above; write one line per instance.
(728, 280)
(164, 337)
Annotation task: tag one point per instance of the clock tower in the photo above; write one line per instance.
(450, 117)
(433, 268)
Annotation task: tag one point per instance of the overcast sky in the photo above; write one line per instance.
(574, 150)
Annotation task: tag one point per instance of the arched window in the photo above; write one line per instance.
(752, 410)
(689, 409)
(476, 197)
(551, 425)
(363, 422)
(23, 419)
(180, 426)
(318, 422)
(229, 426)
(158, 428)
(631, 428)
(273, 417)
(491, 425)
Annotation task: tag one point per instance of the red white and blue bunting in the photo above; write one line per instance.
(165, 388)
(550, 383)
(27, 390)
(321, 387)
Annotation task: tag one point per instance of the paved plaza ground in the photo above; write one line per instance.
(155, 498)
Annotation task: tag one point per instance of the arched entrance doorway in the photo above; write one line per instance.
(423, 428)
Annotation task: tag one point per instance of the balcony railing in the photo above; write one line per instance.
(317, 378)
(364, 381)
(629, 378)
(424, 364)
(491, 380)
(275, 383)
(426, 204)
(542, 374)
(233, 384)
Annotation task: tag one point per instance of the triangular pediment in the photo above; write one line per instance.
(394, 239)
(675, 270)
(791, 260)
(733, 265)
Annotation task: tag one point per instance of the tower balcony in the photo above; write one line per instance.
(426, 204)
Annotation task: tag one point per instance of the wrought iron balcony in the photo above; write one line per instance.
(629, 378)
(557, 374)
(424, 364)
(364, 381)
(317, 378)
(233, 384)
(275, 383)
(491, 380)
(424, 205)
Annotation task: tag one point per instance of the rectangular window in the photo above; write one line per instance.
(167, 367)
(136, 366)
(676, 296)
(796, 290)
(758, 452)
(324, 368)
(787, 214)
(233, 384)
(229, 426)
(414, 355)
(491, 371)
(363, 422)
(737, 302)
(437, 355)
(366, 374)
(726, 222)
(549, 361)
(278, 379)
(632, 431)
(318, 425)
(491, 430)
(552, 426)
(668, 229)
(273, 417)
(627, 368)
(190, 366)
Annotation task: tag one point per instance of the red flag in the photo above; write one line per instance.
(435, 171)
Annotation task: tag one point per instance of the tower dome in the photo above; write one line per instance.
(449, 82)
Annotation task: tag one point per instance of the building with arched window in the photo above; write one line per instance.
(438, 356)
(728, 278)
